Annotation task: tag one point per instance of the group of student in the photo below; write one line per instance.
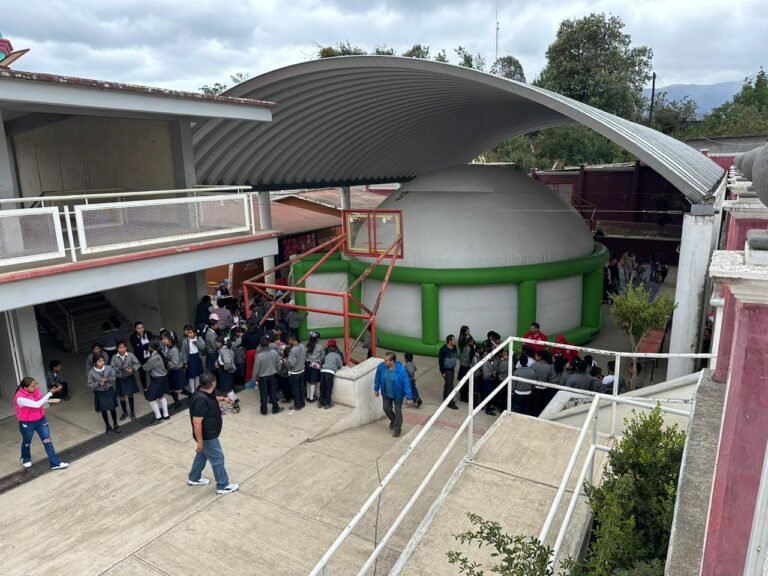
(540, 362)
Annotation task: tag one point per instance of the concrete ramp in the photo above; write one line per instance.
(513, 480)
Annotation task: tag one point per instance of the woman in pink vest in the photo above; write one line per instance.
(30, 411)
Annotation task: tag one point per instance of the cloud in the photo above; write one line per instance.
(183, 45)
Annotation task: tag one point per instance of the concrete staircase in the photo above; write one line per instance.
(513, 480)
(75, 323)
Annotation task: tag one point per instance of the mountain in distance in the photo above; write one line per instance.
(706, 96)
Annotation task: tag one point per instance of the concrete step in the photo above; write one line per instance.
(512, 480)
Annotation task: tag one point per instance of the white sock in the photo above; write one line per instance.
(232, 396)
(312, 391)
(191, 384)
(155, 408)
(164, 406)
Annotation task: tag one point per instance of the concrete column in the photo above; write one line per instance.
(265, 218)
(8, 184)
(346, 198)
(695, 252)
(26, 340)
(183, 154)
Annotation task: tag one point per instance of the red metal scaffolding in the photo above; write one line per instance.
(283, 301)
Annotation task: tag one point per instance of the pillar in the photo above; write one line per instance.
(695, 252)
(183, 154)
(24, 340)
(346, 198)
(526, 306)
(430, 314)
(265, 218)
(743, 438)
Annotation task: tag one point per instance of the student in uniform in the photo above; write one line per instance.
(331, 362)
(176, 378)
(542, 365)
(466, 347)
(101, 379)
(210, 335)
(109, 339)
(521, 398)
(489, 371)
(295, 365)
(191, 349)
(315, 357)
(239, 352)
(29, 403)
(140, 340)
(55, 379)
(97, 351)
(157, 368)
(410, 367)
(225, 365)
(125, 366)
(265, 370)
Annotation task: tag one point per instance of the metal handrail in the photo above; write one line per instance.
(206, 190)
(322, 566)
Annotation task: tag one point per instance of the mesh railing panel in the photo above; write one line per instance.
(26, 236)
(118, 225)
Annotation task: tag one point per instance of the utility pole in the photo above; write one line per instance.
(653, 98)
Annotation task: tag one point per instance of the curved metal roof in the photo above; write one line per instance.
(365, 119)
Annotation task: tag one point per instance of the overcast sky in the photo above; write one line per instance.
(185, 44)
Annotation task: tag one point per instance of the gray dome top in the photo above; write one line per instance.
(760, 174)
(477, 216)
(748, 161)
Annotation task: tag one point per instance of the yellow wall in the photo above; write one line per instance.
(84, 153)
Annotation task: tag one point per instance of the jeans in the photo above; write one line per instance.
(447, 384)
(28, 430)
(394, 411)
(268, 392)
(211, 452)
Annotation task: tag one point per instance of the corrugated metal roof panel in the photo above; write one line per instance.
(382, 118)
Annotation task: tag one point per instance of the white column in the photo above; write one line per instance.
(346, 198)
(7, 168)
(265, 219)
(183, 154)
(695, 253)
(27, 343)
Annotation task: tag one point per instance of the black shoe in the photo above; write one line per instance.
(166, 417)
(124, 416)
(117, 429)
(277, 410)
(391, 424)
(396, 434)
(133, 416)
(453, 406)
(109, 430)
(176, 405)
(328, 406)
(264, 412)
(155, 421)
(285, 401)
(490, 413)
(419, 402)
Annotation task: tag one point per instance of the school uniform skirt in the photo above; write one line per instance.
(158, 387)
(194, 366)
(126, 386)
(176, 379)
(225, 381)
(313, 374)
(105, 400)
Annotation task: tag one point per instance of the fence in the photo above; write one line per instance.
(323, 566)
(100, 225)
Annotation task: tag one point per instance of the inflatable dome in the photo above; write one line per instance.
(483, 246)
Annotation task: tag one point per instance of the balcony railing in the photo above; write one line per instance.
(77, 226)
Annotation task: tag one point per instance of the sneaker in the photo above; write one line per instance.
(60, 466)
(117, 429)
(228, 489)
(124, 417)
(53, 400)
(202, 481)
(25, 464)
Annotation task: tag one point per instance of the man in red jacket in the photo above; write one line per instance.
(535, 334)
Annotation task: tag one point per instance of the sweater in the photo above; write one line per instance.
(120, 364)
(332, 362)
(185, 348)
(447, 359)
(226, 359)
(95, 377)
(296, 358)
(524, 388)
(267, 362)
(154, 366)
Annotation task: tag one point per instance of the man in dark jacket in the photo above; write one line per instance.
(447, 365)
(393, 384)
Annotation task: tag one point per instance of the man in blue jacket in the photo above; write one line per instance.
(393, 384)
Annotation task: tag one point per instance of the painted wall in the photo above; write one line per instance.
(83, 153)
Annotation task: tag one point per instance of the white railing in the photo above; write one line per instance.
(83, 224)
(323, 566)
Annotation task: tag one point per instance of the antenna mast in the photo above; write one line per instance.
(496, 57)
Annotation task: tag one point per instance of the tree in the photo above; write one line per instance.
(592, 61)
(469, 60)
(634, 504)
(746, 113)
(635, 313)
(384, 50)
(340, 49)
(574, 145)
(218, 88)
(508, 67)
(519, 152)
(441, 56)
(417, 51)
(673, 117)
(518, 555)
